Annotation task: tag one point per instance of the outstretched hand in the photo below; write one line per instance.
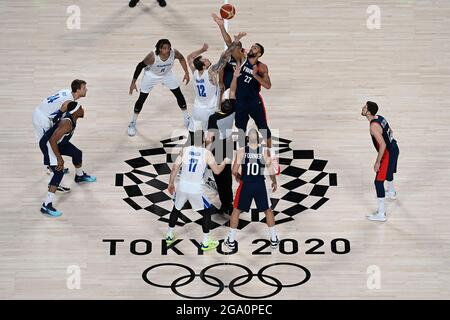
(240, 36)
(217, 19)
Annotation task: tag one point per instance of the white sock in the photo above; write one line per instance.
(135, 115)
(381, 208)
(232, 234)
(79, 171)
(205, 238)
(273, 233)
(49, 199)
(170, 232)
(390, 187)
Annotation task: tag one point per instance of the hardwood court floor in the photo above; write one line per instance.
(324, 64)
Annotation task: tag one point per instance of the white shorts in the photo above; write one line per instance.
(200, 117)
(198, 198)
(41, 123)
(150, 80)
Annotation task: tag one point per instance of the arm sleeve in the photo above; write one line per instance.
(141, 65)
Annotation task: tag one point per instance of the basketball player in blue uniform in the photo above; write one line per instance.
(386, 163)
(249, 102)
(54, 144)
(252, 161)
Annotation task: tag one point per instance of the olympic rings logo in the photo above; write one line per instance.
(232, 285)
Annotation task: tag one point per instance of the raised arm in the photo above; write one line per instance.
(194, 54)
(225, 34)
(183, 63)
(215, 68)
(148, 61)
(233, 85)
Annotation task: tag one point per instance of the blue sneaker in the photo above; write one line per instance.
(49, 210)
(85, 178)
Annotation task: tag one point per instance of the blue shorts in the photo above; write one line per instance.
(247, 191)
(388, 164)
(252, 107)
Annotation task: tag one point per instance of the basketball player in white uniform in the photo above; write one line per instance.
(193, 160)
(158, 69)
(206, 84)
(52, 108)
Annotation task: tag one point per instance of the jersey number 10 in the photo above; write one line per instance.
(252, 169)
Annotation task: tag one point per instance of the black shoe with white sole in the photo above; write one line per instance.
(133, 3)
(230, 244)
(274, 243)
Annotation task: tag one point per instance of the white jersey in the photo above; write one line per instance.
(50, 106)
(206, 93)
(159, 67)
(193, 169)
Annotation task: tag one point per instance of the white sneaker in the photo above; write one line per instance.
(377, 217)
(132, 129)
(391, 195)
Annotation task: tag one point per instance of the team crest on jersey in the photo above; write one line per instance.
(303, 185)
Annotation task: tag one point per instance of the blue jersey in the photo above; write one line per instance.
(228, 71)
(253, 165)
(247, 86)
(387, 133)
(66, 117)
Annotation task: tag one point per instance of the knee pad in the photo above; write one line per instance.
(140, 102)
(77, 157)
(57, 176)
(180, 98)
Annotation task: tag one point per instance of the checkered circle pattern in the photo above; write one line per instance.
(302, 185)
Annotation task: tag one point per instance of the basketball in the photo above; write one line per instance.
(227, 11)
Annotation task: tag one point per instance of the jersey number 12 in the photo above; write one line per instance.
(201, 90)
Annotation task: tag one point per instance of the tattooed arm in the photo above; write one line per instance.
(215, 68)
